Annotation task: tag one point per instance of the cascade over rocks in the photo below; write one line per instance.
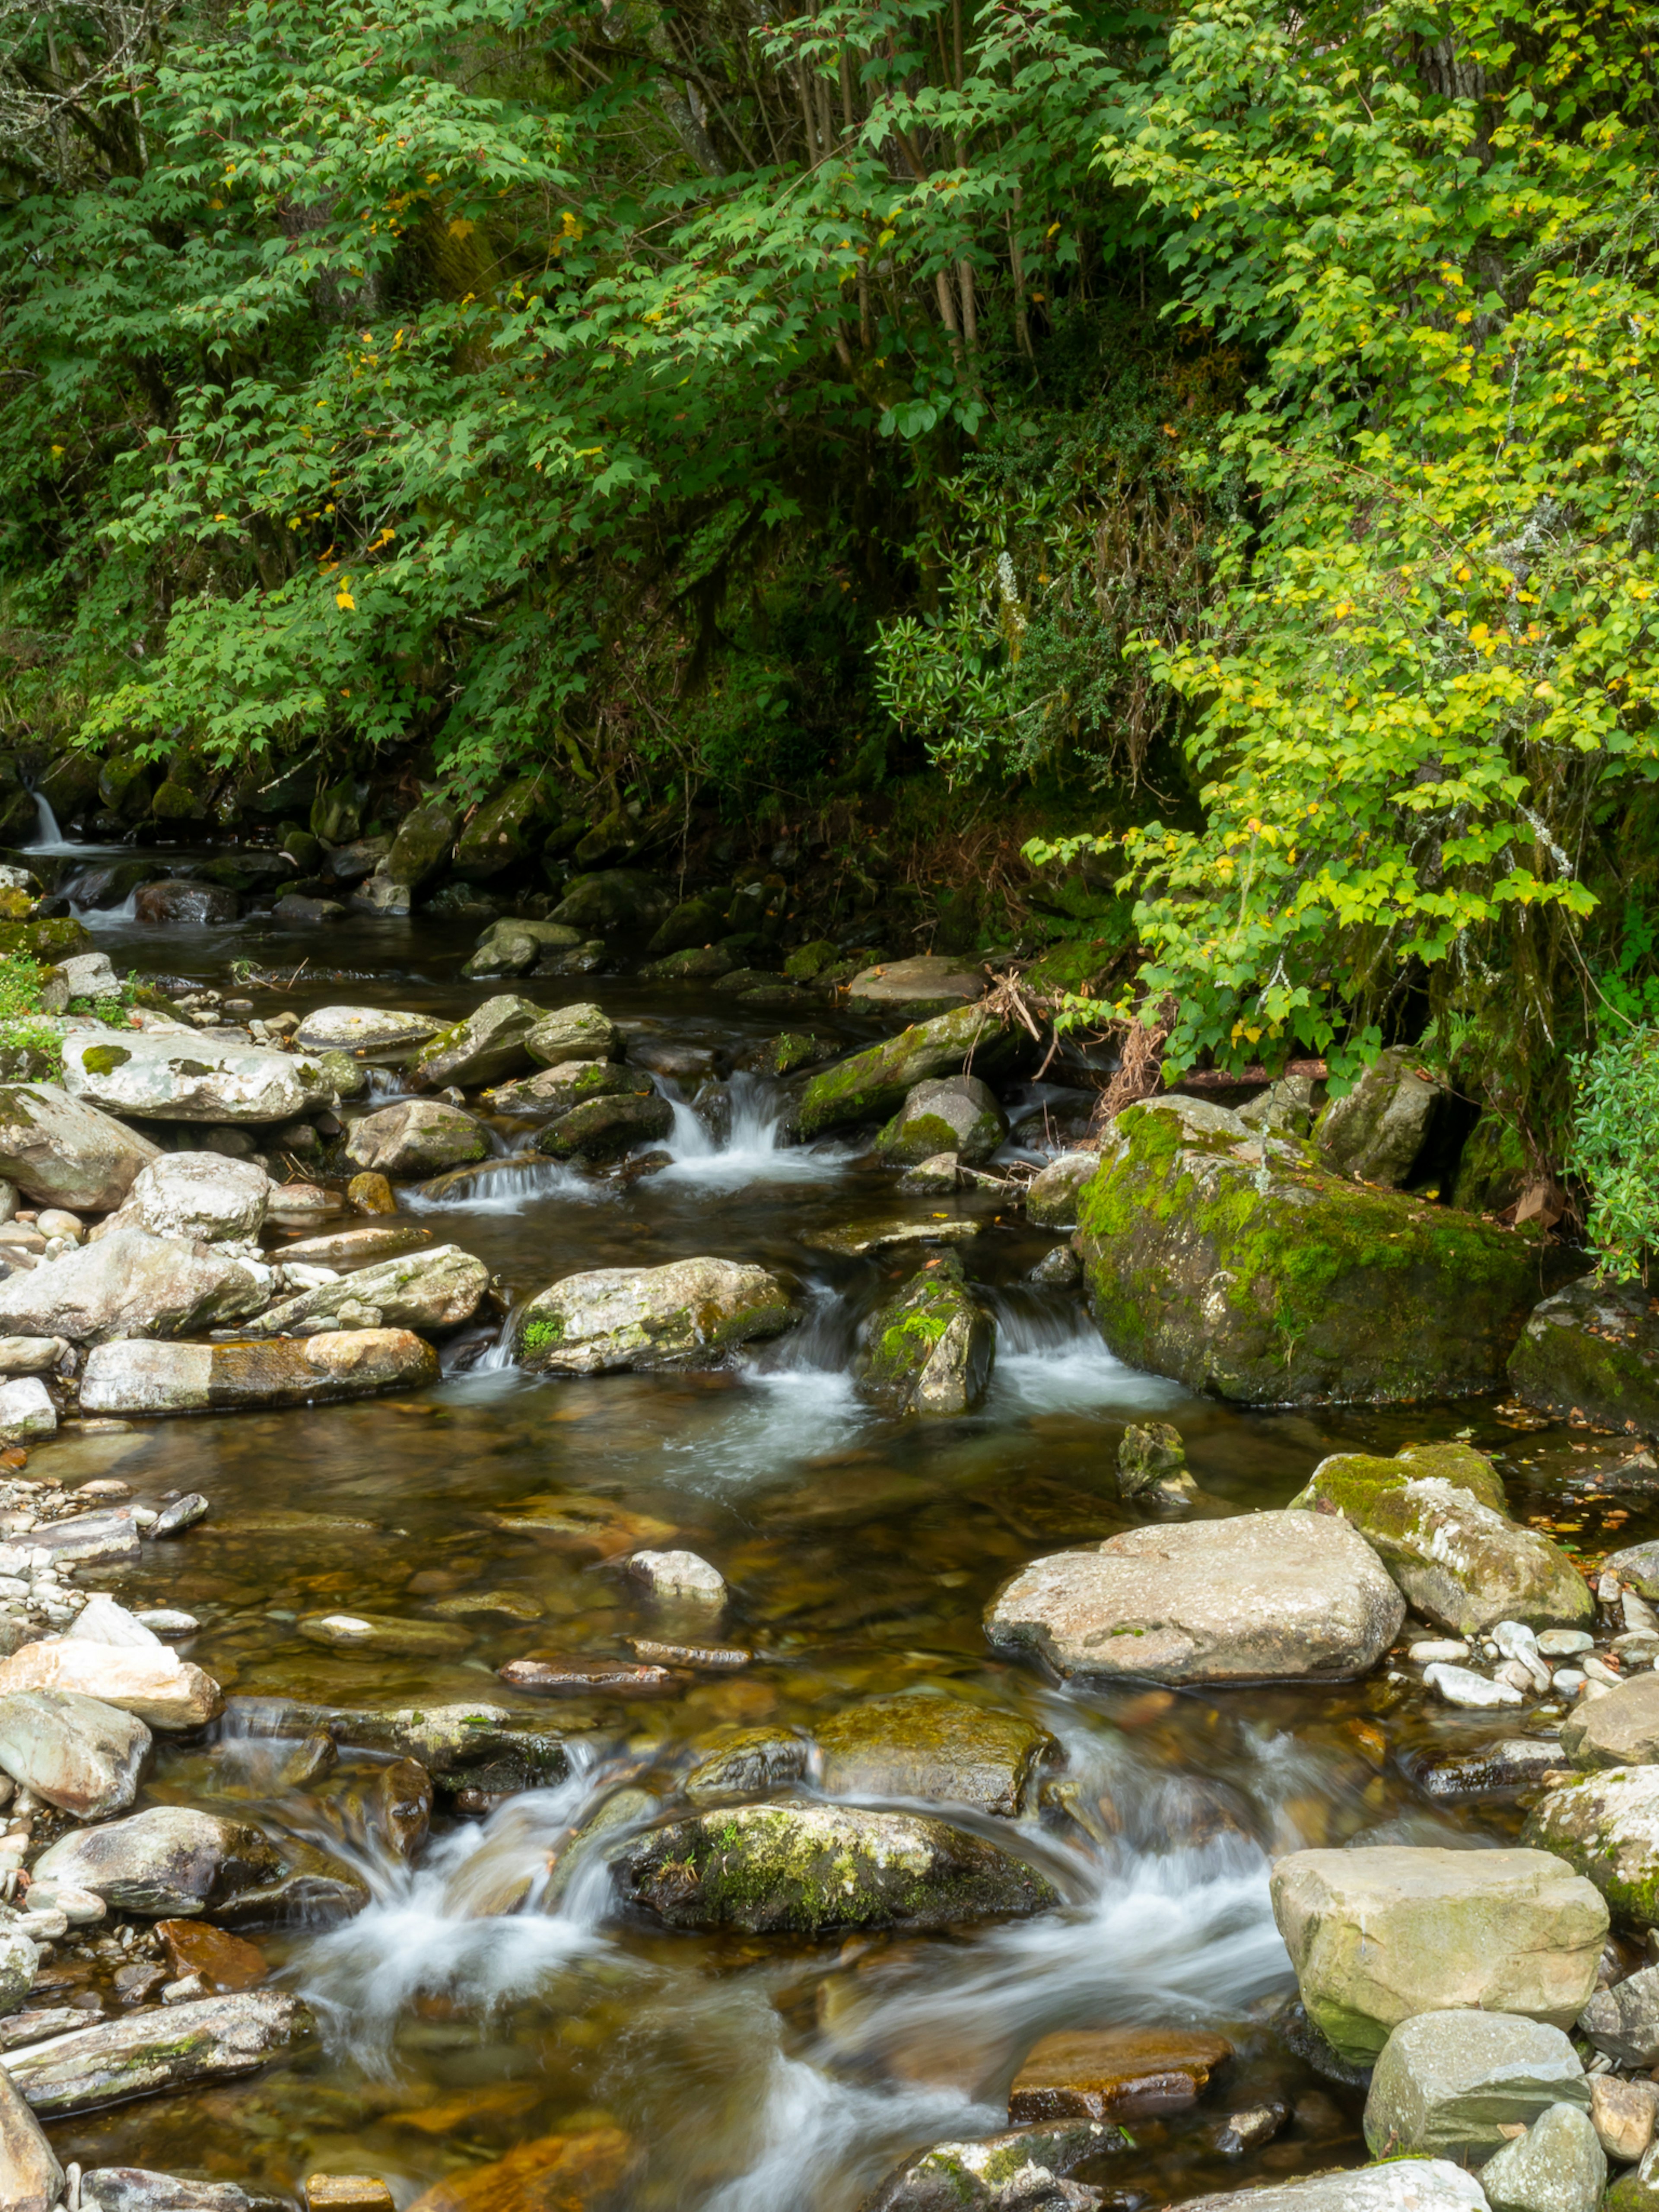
(617, 1317)
(1266, 1596)
(1241, 1266)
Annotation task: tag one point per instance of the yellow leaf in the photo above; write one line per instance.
(460, 228)
(342, 598)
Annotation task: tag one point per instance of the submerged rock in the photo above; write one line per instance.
(934, 1747)
(1115, 2073)
(930, 1348)
(1286, 1596)
(1435, 1516)
(148, 2053)
(383, 1634)
(619, 1317)
(579, 2172)
(60, 1150)
(874, 1085)
(432, 1290)
(1592, 1350)
(797, 1869)
(1607, 1826)
(199, 1378)
(170, 1860)
(418, 1136)
(1241, 1266)
(1449, 2083)
(1377, 1935)
(1375, 1133)
(954, 1114)
(199, 1195)
(163, 1076)
(131, 1284)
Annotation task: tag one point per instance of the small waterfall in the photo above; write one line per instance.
(502, 1186)
(735, 1134)
(1050, 1359)
(48, 837)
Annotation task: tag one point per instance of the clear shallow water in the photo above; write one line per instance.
(469, 2010)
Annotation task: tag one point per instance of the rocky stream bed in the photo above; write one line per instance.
(619, 1593)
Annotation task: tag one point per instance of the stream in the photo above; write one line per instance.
(473, 2007)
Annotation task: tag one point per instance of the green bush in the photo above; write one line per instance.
(1615, 1147)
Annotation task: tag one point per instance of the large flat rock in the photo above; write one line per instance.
(147, 2053)
(164, 1076)
(1404, 2185)
(1266, 1596)
(131, 1284)
(689, 1312)
(134, 1379)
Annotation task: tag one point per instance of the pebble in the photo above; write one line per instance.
(1599, 1671)
(1438, 1652)
(1461, 1686)
(1569, 1680)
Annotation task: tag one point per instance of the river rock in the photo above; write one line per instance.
(1619, 1729)
(1115, 2073)
(169, 1861)
(177, 901)
(605, 1128)
(103, 1619)
(19, 1960)
(1051, 1196)
(1592, 1351)
(1622, 2114)
(432, 1291)
(33, 1355)
(89, 1539)
(1558, 2166)
(151, 1681)
(617, 1317)
(162, 1076)
(199, 1378)
(1376, 1132)
(995, 2173)
(1379, 1934)
(1607, 1826)
(1448, 2083)
(679, 1575)
(874, 1085)
(131, 1284)
(418, 1136)
(487, 1045)
(621, 899)
(26, 1410)
(60, 1150)
(512, 947)
(954, 1114)
(1624, 2020)
(1497, 1769)
(137, 2188)
(200, 1196)
(934, 1748)
(797, 1869)
(1265, 1596)
(383, 1635)
(567, 1084)
(84, 1756)
(28, 2166)
(573, 1033)
(1242, 1267)
(1435, 1516)
(147, 2053)
(930, 1347)
(351, 1248)
(369, 1029)
(927, 984)
(1406, 2184)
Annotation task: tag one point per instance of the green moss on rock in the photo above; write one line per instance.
(931, 1346)
(874, 1085)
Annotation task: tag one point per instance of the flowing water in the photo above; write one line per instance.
(481, 2002)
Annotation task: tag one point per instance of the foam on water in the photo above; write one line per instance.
(741, 1141)
(1050, 1359)
(505, 1186)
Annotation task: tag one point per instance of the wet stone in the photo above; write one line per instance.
(168, 1861)
(382, 1636)
(747, 1763)
(933, 1748)
(555, 1677)
(1115, 2073)
(223, 1962)
(980, 2176)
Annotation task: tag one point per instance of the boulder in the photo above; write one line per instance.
(1375, 1133)
(1264, 1596)
(1115, 2073)
(786, 1868)
(874, 1085)
(1435, 1516)
(1607, 1826)
(61, 1151)
(623, 900)
(134, 1378)
(162, 1076)
(679, 1578)
(90, 976)
(131, 1284)
(487, 1045)
(1450, 2084)
(934, 1748)
(160, 2050)
(578, 1032)
(954, 1114)
(994, 2173)
(421, 845)
(1638, 1567)
(1406, 2184)
(617, 1317)
(1592, 1351)
(1558, 2166)
(1377, 1935)
(1624, 2020)
(1620, 1729)
(512, 947)
(368, 1029)
(200, 1196)
(916, 988)
(605, 1128)
(137, 2189)
(151, 1682)
(1051, 1196)
(19, 1962)
(33, 1355)
(930, 1347)
(418, 1136)
(25, 1411)
(28, 2164)
(294, 908)
(504, 829)
(694, 921)
(1242, 1267)
(103, 1619)
(571, 1083)
(177, 900)
(435, 1289)
(168, 1861)
(84, 1756)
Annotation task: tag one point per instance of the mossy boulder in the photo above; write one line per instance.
(781, 1869)
(808, 962)
(689, 1313)
(421, 845)
(1436, 1517)
(930, 1348)
(491, 1042)
(1605, 1827)
(621, 899)
(694, 921)
(1592, 1351)
(788, 1052)
(337, 811)
(1492, 1168)
(698, 964)
(874, 1085)
(507, 827)
(418, 1136)
(614, 838)
(176, 800)
(580, 1032)
(1375, 1132)
(1243, 1267)
(513, 947)
(935, 1748)
(124, 784)
(69, 785)
(605, 1127)
(995, 2170)
(954, 1114)
(573, 1082)
(50, 941)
